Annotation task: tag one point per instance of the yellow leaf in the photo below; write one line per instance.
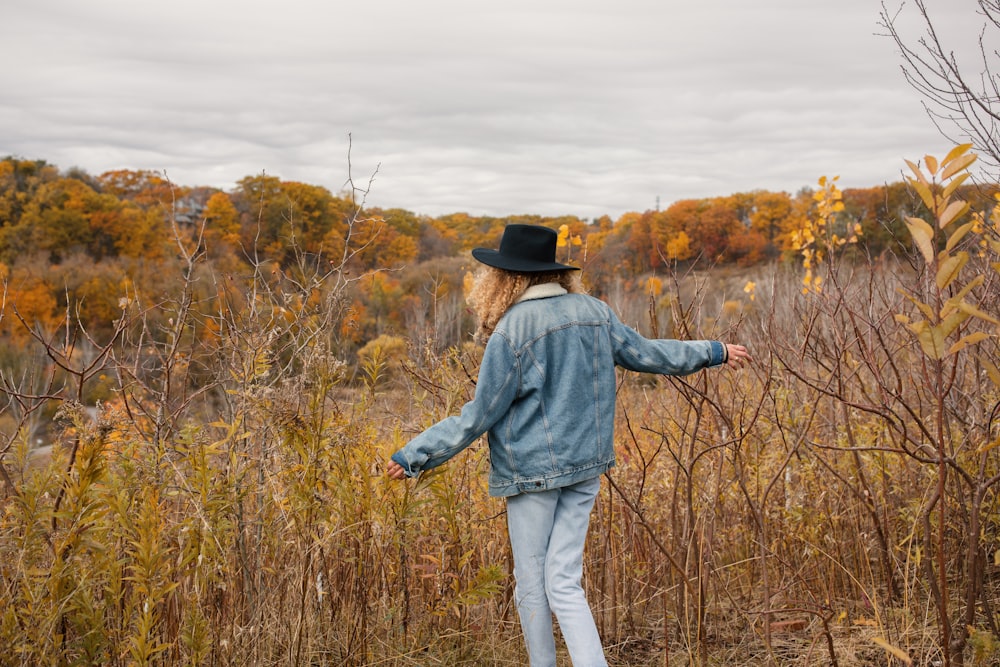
(954, 210)
(955, 152)
(931, 162)
(965, 341)
(958, 165)
(924, 190)
(916, 170)
(924, 308)
(953, 184)
(950, 267)
(969, 309)
(948, 325)
(893, 650)
(958, 235)
(922, 234)
(956, 301)
(930, 339)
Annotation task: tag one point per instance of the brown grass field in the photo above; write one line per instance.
(835, 503)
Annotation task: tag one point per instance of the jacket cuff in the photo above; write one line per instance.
(401, 460)
(720, 354)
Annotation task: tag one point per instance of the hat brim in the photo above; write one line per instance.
(494, 258)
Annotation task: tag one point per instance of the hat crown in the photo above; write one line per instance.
(524, 248)
(529, 242)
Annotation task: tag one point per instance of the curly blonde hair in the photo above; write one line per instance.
(496, 290)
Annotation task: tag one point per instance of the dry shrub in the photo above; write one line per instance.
(228, 504)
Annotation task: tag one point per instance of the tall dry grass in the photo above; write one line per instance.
(228, 505)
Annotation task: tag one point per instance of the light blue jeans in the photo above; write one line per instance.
(547, 533)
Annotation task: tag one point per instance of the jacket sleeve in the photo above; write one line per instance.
(663, 356)
(496, 389)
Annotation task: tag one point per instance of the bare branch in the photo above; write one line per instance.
(961, 99)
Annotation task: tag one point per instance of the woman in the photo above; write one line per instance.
(546, 397)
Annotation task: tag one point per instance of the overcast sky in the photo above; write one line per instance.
(551, 107)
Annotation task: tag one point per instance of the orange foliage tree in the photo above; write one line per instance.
(148, 189)
(28, 303)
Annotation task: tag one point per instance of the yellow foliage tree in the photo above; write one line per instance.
(770, 211)
(817, 238)
(949, 322)
(679, 247)
(567, 240)
(222, 221)
(941, 319)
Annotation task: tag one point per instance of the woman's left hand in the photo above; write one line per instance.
(394, 470)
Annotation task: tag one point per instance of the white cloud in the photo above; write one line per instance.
(551, 107)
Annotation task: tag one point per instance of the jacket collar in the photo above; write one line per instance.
(542, 291)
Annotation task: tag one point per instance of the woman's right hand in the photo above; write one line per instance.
(738, 356)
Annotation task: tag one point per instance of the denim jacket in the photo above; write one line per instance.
(546, 392)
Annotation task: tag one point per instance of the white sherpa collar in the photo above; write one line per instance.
(542, 291)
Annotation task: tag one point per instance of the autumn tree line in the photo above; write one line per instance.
(69, 240)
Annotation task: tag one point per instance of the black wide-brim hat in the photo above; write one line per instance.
(525, 249)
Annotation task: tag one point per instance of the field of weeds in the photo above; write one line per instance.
(835, 503)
